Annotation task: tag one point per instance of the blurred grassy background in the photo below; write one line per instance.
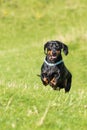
(24, 28)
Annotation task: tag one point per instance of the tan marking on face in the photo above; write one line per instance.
(57, 52)
(49, 52)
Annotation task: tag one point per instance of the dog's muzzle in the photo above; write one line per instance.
(53, 54)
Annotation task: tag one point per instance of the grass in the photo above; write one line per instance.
(24, 28)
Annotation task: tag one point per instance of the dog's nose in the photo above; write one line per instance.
(54, 52)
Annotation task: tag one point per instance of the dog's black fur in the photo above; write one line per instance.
(57, 76)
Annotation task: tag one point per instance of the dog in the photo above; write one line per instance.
(53, 69)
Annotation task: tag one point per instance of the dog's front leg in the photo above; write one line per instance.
(53, 84)
(53, 81)
(44, 80)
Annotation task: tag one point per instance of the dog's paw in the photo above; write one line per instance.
(45, 81)
(53, 82)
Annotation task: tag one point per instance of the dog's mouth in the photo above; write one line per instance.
(53, 55)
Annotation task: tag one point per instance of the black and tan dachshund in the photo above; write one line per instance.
(53, 70)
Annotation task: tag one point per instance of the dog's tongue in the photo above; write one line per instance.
(53, 57)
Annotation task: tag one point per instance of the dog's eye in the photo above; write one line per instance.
(57, 47)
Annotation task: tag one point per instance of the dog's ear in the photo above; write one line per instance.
(45, 47)
(64, 47)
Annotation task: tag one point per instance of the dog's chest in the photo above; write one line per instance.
(52, 70)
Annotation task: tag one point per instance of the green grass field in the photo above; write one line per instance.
(25, 26)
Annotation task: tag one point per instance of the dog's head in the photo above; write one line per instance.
(53, 49)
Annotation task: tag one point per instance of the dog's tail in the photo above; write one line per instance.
(38, 75)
